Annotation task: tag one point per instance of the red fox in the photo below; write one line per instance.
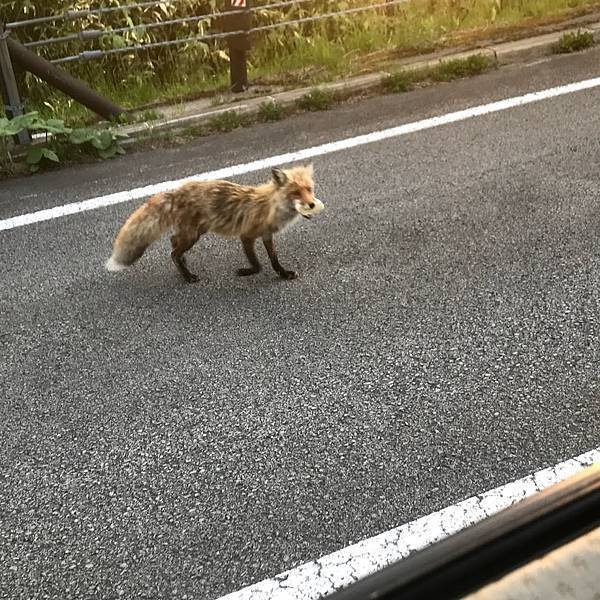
(222, 207)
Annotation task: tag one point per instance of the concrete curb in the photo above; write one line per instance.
(537, 47)
(250, 106)
(201, 112)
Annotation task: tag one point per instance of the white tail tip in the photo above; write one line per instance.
(113, 265)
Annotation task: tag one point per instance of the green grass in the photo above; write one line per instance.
(404, 81)
(458, 68)
(296, 55)
(129, 95)
(270, 111)
(575, 42)
(144, 116)
(227, 121)
(317, 99)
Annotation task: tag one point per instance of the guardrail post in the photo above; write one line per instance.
(8, 85)
(61, 80)
(239, 45)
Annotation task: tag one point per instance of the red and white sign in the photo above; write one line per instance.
(238, 3)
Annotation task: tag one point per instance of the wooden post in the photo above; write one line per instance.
(239, 45)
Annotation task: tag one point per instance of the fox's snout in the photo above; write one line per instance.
(309, 209)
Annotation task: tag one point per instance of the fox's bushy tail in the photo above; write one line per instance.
(144, 226)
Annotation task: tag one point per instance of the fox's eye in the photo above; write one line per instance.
(311, 205)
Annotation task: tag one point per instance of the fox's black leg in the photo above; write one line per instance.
(248, 244)
(181, 243)
(283, 273)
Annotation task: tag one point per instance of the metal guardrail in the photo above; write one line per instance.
(91, 54)
(80, 14)
(8, 86)
(242, 6)
(234, 24)
(90, 34)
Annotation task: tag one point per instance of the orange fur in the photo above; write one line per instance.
(221, 207)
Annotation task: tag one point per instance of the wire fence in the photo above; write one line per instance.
(87, 35)
(91, 34)
(94, 34)
(110, 31)
(70, 15)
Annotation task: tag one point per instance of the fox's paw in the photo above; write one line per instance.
(191, 278)
(245, 272)
(288, 274)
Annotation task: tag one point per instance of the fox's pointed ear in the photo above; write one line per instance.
(279, 177)
(309, 168)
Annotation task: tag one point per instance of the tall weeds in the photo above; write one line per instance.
(310, 52)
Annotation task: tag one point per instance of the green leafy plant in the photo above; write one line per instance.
(270, 111)
(227, 121)
(574, 42)
(104, 143)
(36, 155)
(403, 81)
(461, 67)
(316, 99)
(127, 118)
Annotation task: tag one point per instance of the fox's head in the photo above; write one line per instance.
(298, 188)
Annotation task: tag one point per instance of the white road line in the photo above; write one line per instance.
(317, 579)
(306, 153)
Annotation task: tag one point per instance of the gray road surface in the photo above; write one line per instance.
(162, 440)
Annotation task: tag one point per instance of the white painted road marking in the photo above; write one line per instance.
(316, 579)
(299, 155)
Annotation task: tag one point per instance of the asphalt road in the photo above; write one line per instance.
(162, 440)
